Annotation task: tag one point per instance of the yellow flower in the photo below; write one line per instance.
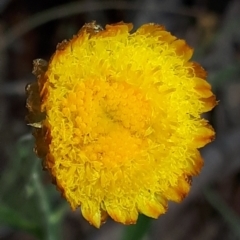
(117, 119)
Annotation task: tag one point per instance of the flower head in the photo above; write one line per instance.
(117, 119)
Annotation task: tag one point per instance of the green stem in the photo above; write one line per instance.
(138, 231)
(44, 207)
(227, 213)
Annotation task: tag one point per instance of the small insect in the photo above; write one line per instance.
(91, 28)
(33, 103)
(39, 67)
(35, 125)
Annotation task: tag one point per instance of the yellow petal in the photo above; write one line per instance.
(182, 49)
(92, 213)
(203, 87)
(178, 192)
(122, 215)
(151, 207)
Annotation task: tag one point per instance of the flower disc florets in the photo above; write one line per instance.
(117, 119)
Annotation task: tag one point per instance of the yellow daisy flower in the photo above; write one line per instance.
(117, 120)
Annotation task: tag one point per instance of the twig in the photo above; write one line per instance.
(74, 8)
(227, 213)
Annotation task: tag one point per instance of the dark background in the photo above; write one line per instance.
(30, 207)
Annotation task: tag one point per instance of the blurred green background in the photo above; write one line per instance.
(30, 206)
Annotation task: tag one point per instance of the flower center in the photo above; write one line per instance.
(110, 120)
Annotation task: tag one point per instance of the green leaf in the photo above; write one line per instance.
(224, 75)
(10, 217)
